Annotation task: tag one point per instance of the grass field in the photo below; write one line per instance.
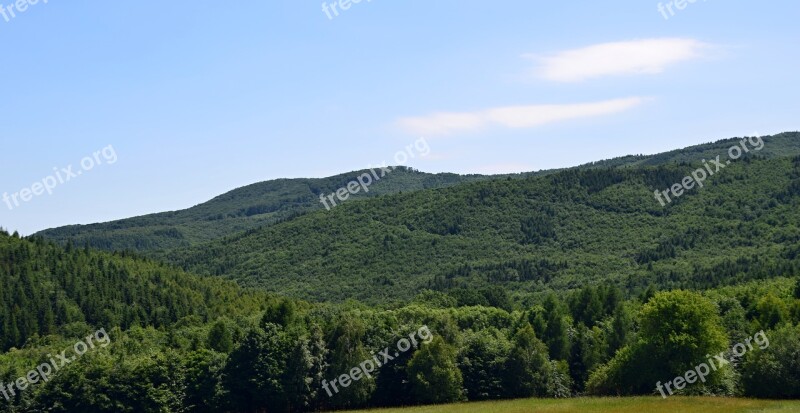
(612, 405)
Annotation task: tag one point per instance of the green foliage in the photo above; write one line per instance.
(243, 209)
(620, 332)
(348, 351)
(609, 229)
(556, 333)
(281, 313)
(44, 287)
(528, 366)
(433, 374)
(678, 330)
(797, 289)
(255, 372)
(774, 371)
(588, 352)
(220, 338)
(773, 311)
(482, 360)
(681, 327)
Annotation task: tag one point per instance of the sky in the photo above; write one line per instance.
(116, 109)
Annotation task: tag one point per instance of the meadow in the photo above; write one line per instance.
(611, 404)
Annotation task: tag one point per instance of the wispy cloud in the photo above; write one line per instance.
(514, 117)
(647, 56)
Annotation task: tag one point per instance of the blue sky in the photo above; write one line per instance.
(196, 98)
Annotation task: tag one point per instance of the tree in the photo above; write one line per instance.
(586, 353)
(648, 294)
(556, 333)
(282, 313)
(319, 352)
(772, 369)
(527, 365)
(797, 289)
(621, 327)
(681, 327)
(587, 308)
(204, 391)
(482, 361)
(219, 338)
(433, 374)
(297, 379)
(255, 370)
(772, 311)
(347, 352)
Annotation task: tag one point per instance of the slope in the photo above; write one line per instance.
(45, 289)
(239, 210)
(558, 231)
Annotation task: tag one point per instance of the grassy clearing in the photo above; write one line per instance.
(612, 405)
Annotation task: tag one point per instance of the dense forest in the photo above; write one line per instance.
(242, 209)
(202, 345)
(528, 235)
(438, 289)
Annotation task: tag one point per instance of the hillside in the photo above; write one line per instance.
(239, 210)
(266, 203)
(529, 235)
(46, 289)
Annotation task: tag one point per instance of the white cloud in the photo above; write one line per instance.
(648, 56)
(514, 117)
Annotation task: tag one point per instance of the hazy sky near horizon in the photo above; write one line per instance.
(195, 98)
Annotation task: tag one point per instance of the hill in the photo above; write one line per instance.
(529, 235)
(239, 210)
(270, 202)
(47, 289)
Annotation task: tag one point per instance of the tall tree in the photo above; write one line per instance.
(433, 374)
(526, 371)
(556, 334)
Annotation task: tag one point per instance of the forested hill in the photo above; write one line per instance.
(558, 231)
(47, 289)
(269, 202)
(239, 210)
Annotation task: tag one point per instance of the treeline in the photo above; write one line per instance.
(591, 341)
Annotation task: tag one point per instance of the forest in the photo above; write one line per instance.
(205, 345)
